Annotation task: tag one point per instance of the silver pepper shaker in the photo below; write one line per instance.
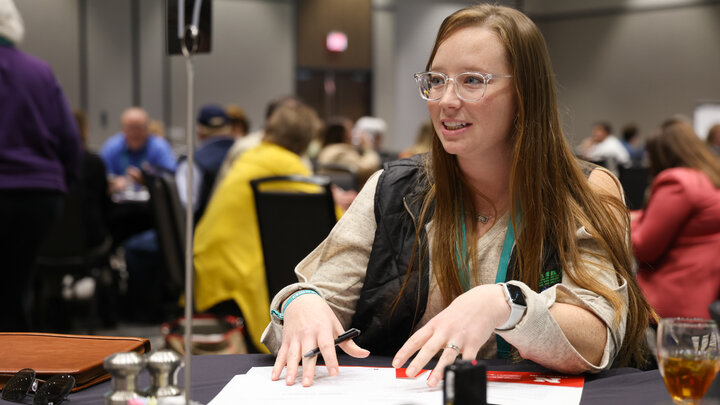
(124, 368)
(163, 366)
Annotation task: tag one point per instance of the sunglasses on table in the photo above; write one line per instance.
(52, 392)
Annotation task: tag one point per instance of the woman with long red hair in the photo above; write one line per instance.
(499, 243)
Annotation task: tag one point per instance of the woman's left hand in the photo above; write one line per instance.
(461, 328)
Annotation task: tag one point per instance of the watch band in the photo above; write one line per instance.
(517, 308)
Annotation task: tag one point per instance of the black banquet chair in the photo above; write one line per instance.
(634, 181)
(291, 223)
(169, 217)
(67, 251)
(342, 176)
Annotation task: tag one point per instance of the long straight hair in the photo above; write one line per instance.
(676, 145)
(546, 186)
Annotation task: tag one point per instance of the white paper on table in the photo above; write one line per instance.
(379, 385)
(522, 387)
(352, 385)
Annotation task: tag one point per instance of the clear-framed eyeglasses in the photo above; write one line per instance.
(469, 86)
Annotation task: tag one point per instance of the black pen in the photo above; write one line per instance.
(349, 334)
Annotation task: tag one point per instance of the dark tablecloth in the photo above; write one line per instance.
(211, 373)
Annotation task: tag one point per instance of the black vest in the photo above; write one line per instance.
(398, 201)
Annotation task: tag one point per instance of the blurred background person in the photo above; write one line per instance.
(632, 143)
(125, 155)
(250, 140)
(94, 185)
(215, 136)
(337, 149)
(91, 192)
(126, 152)
(423, 141)
(676, 238)
(713, 138)
(239, 122)
(229, 264)
(369, 132)
(157, 128)
(604, 148)
(40, 157)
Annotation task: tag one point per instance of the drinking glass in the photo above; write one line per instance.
(688, 357)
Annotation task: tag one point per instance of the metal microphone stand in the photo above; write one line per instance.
(189, 48)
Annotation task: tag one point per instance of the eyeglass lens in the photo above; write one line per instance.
(468, 86)
(18, 386)
(55, 390)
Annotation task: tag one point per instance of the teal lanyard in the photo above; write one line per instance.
(461, 256)
(5, 42)
(505, 256)
(503, 347)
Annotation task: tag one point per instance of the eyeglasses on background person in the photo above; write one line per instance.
(469, 86)
(51, 392)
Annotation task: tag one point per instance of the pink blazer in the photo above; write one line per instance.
(676, 241)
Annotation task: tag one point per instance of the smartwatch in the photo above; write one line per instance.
(516, 300)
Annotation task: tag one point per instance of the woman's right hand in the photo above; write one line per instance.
(309, 323)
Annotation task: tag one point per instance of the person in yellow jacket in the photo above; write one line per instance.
(229, 266)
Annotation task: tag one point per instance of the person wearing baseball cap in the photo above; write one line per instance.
(214, 139)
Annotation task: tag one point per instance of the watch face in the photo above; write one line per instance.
(516, 294)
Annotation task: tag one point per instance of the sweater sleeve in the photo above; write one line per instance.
(667, 211)
(336, 268)
(539, 338)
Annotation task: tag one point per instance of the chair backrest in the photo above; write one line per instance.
(340, 175)
(169, 224)
(66, 248)
(634, 181)
(291, 223)
(66, 238)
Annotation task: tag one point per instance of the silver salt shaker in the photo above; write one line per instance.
(163, 366)
(124, 367)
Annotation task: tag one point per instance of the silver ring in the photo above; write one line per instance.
(452, 345)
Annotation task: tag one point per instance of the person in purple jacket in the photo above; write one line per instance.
(40, 156)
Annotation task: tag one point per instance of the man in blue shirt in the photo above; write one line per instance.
(126, 152)
(131, 224)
